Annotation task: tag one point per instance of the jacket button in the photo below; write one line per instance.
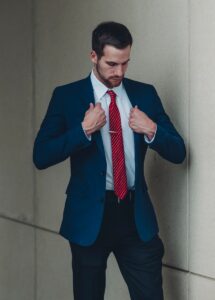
(102, 173)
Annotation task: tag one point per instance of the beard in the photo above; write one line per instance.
(110, 82)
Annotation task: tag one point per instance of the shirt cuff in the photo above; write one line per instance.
(89, 137)
(149, 141)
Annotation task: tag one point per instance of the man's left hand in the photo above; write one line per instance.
(141, 123)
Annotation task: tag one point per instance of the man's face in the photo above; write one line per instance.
(111, 67)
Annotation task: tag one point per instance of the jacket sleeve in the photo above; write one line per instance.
(55, 142)
(167, 142)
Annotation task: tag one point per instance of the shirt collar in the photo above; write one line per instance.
(100, 89)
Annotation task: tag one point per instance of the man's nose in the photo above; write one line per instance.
(119, 71)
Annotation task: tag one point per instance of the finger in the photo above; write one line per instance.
(131, 119)
(98, 107)
(131, 112)
(130, 125)
(98, 104)
(102, 120)
(134, 109)
(103, 123)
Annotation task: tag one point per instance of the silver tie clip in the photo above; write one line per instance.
(111, 131)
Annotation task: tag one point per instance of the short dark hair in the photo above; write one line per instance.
(110, 33)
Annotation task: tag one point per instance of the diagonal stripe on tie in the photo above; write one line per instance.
(118, 156)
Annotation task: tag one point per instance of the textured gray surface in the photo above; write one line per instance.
(202, 163)
(174, 50)
(16, 169)
(17, 267)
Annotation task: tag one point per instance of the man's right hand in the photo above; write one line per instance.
(94, 119)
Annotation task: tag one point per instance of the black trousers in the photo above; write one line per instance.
(140, 262)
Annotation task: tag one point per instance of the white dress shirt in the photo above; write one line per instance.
(124, 106)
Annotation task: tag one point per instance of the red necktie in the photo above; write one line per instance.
(118, 157)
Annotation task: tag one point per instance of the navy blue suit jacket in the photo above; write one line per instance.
(61, 136)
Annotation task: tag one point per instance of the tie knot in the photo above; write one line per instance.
(112, 94)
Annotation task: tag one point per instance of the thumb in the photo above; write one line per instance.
(91, 106)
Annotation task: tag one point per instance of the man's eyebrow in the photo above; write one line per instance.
(113, 62)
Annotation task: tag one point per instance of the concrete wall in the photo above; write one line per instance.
(174, 50)
(17, 256)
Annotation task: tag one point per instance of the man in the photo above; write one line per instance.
(105, 123)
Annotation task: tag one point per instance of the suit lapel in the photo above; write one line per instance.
(87, 97)
(133, 97)
(130, 90)
(86, 93)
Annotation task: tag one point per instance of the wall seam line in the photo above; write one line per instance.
(57, 233)
(33, 133)
(188, 159)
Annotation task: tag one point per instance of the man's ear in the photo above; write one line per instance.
(94, 57)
